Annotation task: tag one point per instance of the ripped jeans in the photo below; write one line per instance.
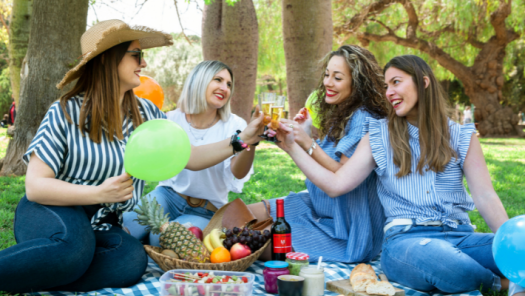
(452, 260)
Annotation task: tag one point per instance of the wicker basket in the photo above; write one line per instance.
(168, 263)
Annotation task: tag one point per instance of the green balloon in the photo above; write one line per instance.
(157, 150)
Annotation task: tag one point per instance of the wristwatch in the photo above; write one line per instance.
(312, 147)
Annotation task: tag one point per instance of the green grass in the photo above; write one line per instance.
(275, 175)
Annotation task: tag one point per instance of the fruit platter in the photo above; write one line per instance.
(182, 282)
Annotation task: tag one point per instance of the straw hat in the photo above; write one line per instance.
(107, 34)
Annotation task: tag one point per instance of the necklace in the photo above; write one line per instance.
(207, 129)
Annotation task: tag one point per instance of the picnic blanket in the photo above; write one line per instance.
(150, 285)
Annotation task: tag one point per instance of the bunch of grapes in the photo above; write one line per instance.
(254, 239)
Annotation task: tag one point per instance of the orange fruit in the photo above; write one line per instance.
(220, 255)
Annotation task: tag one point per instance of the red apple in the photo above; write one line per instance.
(196, 231)
(239, 251)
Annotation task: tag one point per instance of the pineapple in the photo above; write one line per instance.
(173, 236)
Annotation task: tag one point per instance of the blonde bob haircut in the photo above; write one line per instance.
(193, 97)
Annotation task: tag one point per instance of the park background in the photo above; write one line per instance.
(476, 48)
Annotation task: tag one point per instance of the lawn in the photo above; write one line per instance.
(276, 175)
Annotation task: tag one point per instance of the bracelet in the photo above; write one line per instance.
(312, 147)
(255, 144)
(237, 144)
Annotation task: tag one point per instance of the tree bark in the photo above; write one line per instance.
(483, 81)
(230, 35)
(307, 34)
(19, 29)
(52, 51)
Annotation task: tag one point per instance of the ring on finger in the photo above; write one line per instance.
(290, 125)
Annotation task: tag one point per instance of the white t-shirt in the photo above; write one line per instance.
(215, 182)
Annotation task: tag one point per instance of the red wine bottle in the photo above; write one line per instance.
(281, 234)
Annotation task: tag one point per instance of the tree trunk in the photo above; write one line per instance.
(230, 35)
(484, 88)
(18, 41)
(307, 34)
(52, 51)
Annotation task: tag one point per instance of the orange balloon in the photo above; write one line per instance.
(151, 90)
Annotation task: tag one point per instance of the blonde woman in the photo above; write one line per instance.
(195, 194)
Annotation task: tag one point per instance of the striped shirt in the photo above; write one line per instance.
(78, 160)
(428, 197)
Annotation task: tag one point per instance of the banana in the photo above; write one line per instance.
(215, 238)
(207, 243)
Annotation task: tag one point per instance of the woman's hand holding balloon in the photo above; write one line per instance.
(116, 189)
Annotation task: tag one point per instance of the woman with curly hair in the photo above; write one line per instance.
(346, 228)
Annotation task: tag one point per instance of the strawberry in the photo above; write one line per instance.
(244, 279)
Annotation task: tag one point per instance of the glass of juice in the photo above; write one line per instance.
(266, 101)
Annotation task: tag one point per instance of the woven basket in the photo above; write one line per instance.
(168, 263)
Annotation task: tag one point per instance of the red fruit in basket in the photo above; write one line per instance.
(244, 279)
(197, 231)
(239, 251)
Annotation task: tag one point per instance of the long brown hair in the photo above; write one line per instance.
(433, 113)
(101, 86)
(367, 91)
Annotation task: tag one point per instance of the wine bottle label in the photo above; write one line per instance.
(282, 243)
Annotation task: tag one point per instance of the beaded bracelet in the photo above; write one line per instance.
(237, 144)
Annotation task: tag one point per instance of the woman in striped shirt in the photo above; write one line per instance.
(347, 228)
(420, 157)
(68, 226)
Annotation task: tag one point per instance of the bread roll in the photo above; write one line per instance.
(363, 268)
(360, 280)
(380, 288)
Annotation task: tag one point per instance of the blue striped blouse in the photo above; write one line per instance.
(78, 160)
(428, 197)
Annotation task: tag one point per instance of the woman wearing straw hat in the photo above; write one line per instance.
(68, 225)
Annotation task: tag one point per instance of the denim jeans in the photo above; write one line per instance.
(58, 250)
(451, 260)
(178, 210)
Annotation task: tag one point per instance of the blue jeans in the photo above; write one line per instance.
(451, 260)
(58, 250)
(178, 210)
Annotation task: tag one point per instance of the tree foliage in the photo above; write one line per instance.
(271, 61)
(170, 65)
(467, 38)
(456, 26)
